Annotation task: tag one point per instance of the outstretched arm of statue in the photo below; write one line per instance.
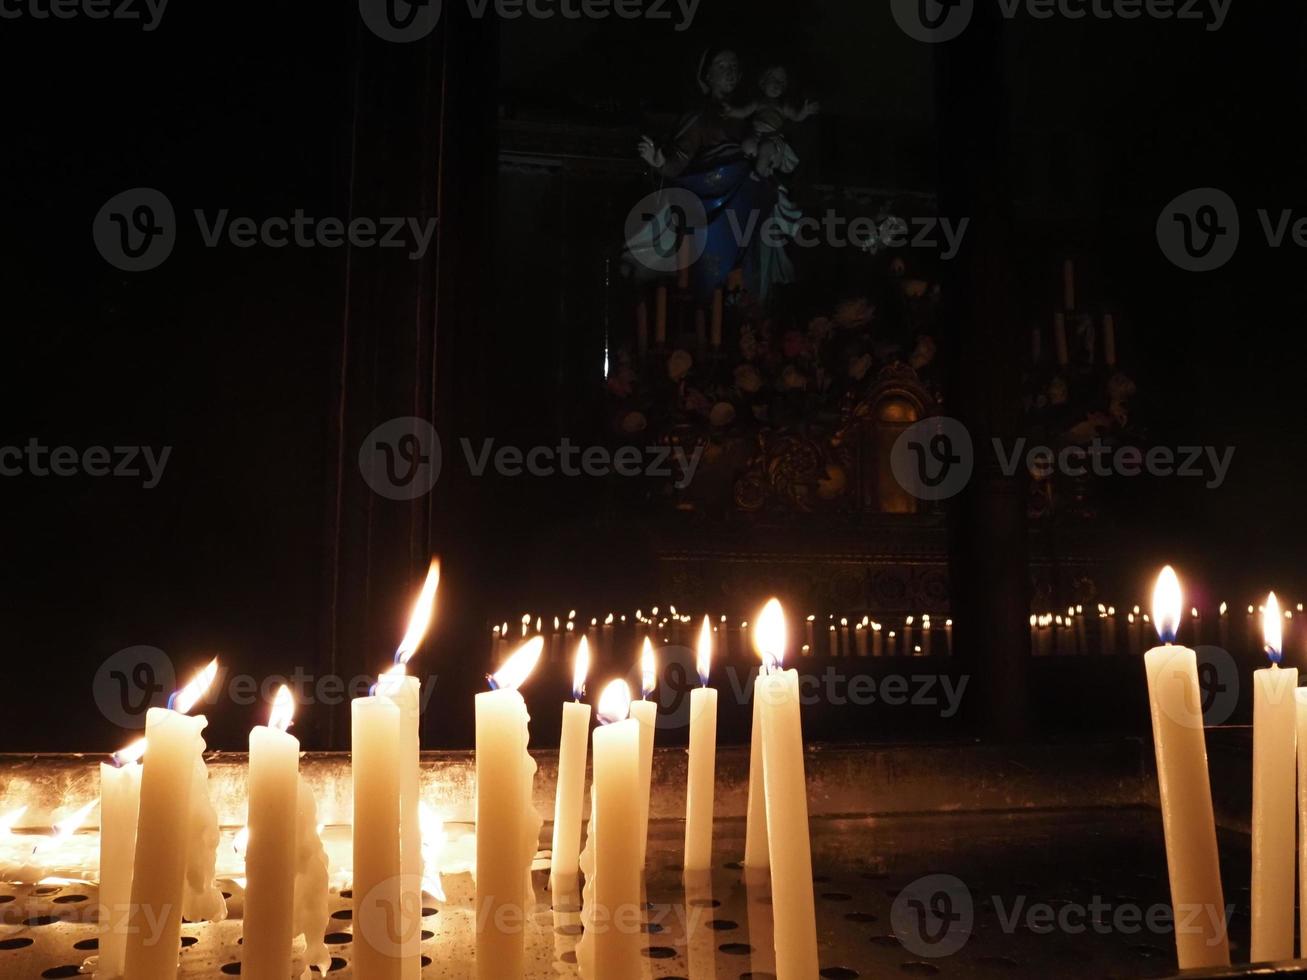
(809, 108)
(672, 161)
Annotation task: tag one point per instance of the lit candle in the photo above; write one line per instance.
(611, 913)
(926, 635)
(645, 712)
(877, 640)
(1225, 627)
(508, 826)
(165, 833)
(1193, 863)
(1301, 715)
(757, 860)
(810, 632)
(1275, 730)
(844, 636)
(703, 762)
(120, 801)
(268, 920)
(948, 637)
(406, 692)
(907, 636)
(375, 757)
(860, 638)
(793, 904)
(569, 799)
(608, 633)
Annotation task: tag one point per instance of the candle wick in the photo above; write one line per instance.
(490, 679)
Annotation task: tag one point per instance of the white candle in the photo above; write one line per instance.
(1275, 729)
(612, 916)
(1301, 715)
(508, 826)
(164, 832)
(120, 801)
(312, 907)
(703, 763)
(569, 798)
(1193, 862)
(646, 713)
(202, 900)
(756, 857)
(375, 763)
(793, 905)
(406, 692)
(270, 858)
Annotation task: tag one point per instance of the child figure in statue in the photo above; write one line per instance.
(768, 116)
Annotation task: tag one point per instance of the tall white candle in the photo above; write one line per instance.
(120, 801)
(1301, 715)
(793, 904)
(312, 908)
(611, 913)
(164, 833)
(508, 826)
(646, 713)
(573, 749)
(1193, 862)
(406, 692)
(270, 858)
(703, 762)
(1275, 730)
(375, 763)
(756, 857)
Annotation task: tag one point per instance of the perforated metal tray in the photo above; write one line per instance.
(864, 870)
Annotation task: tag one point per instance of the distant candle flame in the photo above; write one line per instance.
(186, 699)
(580, 668)
(609, 620)
(283, 709)
(705, 651)
(65, 828)
(517, 668)
(130, 754)
(648, 669)
(769, 636)
(1167, 603)
(433, 846)
(1273, 629)
(420, 619)
(1224, 609)
(240, 842)
(8, 821)
(614, 703)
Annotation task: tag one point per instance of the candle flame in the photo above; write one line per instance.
(705, 651)
(648, 669)
(517, 668)
(240, 841)
(769, 636)
(420, 619)
(1273, 629)
(580, 668)
(66, 827)
(433, 846)
(186, 699)
(130, 754)
(609, 620)
(1167, 603)
(9, 819)
(614, 703)
(283, 709)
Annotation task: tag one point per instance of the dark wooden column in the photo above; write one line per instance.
(410, 337)
(988, 547)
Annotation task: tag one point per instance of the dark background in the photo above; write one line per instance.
(263, 368)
